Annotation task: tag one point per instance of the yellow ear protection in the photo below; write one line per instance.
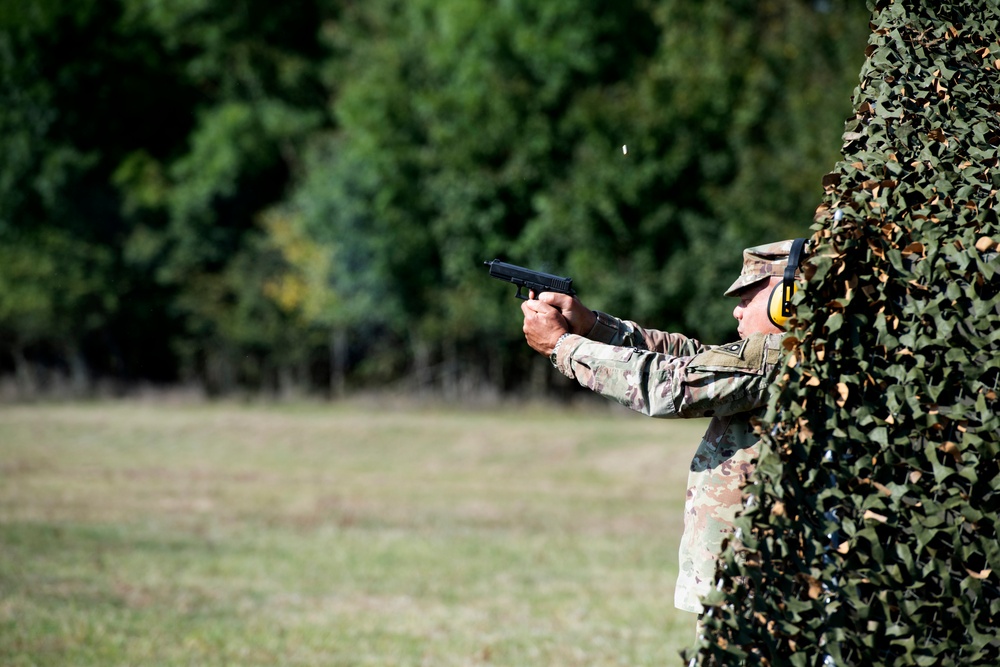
(779, 304)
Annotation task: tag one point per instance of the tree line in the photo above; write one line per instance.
(244, 196)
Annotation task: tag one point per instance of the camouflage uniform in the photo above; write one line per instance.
(669, 375)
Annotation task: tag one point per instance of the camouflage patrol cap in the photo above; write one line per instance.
(760, 263)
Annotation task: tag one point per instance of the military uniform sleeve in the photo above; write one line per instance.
(718, 381)
(623, 333)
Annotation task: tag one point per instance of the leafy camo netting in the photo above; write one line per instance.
(870, 532)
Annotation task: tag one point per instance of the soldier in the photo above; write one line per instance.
(670, 375)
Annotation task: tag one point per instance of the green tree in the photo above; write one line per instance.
(78, 92)
(405, 142)
(195, 212)
(469, 130)
(51, 288)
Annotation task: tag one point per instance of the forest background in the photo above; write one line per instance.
(245, 196)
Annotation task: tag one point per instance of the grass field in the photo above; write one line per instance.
(147, 534)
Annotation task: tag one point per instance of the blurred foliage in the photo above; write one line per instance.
(310, 190)
(871, 538)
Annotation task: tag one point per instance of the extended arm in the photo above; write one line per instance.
(722, 380)
(551, 315)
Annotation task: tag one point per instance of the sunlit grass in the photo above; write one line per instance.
(148, 534)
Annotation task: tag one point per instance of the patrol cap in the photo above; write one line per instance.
(760, 263)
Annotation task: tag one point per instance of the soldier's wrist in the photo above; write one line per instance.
(555, 350)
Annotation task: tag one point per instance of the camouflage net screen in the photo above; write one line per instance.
(869, 535)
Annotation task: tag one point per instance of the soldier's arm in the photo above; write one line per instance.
(721, 380)
(611, 330)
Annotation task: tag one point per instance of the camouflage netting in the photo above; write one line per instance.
(870, 532)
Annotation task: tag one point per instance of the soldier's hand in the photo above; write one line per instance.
(579, 318)
(543, 325)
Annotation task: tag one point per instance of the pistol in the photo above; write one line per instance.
(535, 281)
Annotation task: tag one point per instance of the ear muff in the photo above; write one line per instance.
(779, 304)
(776, 305)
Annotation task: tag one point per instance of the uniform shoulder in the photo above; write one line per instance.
(753, 353)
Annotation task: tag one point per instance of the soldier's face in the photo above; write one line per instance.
(751, 311)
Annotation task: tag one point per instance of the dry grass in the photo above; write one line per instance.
(137, 533)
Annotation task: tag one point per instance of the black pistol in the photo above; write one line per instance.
(535, 281)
